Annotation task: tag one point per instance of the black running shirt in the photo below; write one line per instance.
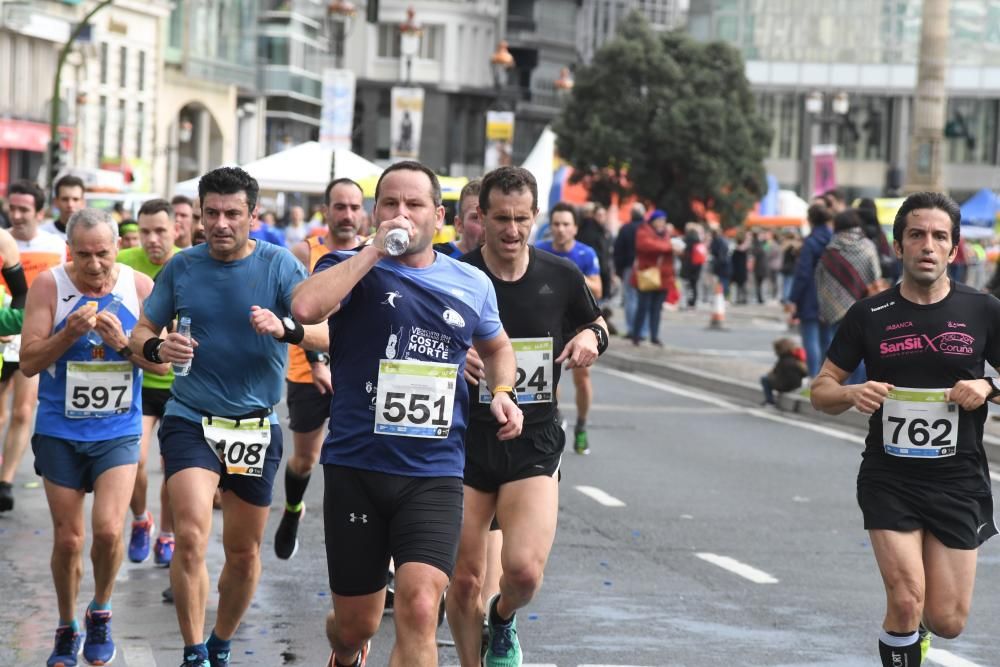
(551, 300)
(923, 346)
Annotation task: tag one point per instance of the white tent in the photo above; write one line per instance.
(540, 162)
(304, 168)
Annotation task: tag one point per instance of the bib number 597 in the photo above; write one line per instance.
(418, 410)
(97, 397)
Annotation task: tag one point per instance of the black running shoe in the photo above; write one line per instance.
(286, 539)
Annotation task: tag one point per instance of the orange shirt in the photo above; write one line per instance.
(298, 366)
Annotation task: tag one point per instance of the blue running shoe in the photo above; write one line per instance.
(163, 551)
(195, 660)
(218, 651)
(68, 645)
(504, 650)
(98, 647)
(142, 534)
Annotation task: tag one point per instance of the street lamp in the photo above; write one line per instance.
(815, 122)
(565, 82)
(500, 63)
(409, 41)
(339, 13)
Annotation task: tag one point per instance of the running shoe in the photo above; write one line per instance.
(218, 658)
(362, 657)
(580, 444)
(98, 647)
(163, 551)
(142, 534)
(925, 643)
(67, 648)
(168, 595)
(195, 660)
(286, 540)
(6, 496)
(504, 650)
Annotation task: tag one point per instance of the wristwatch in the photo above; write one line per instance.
(125, 352)
(504, 389)
(996, 388)
(289, 325)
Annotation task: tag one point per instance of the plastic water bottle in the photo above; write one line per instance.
(184, 329)
(397, 241)
(93, 337)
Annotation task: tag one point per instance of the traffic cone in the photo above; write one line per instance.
(718, 308)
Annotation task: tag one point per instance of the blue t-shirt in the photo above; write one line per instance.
(400, 313)
(580, 254)
(268, 233)
(235, 370)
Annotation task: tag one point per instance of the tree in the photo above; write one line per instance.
(668, 119)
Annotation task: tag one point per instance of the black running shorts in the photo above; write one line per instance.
(370, 516)
(154, 401)
(8, 370)
(491, 462)
(959, 521)
(307, 407)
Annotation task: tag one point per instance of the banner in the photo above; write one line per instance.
(824, 165)
(337, 117)
(406, 122)
(499, 139)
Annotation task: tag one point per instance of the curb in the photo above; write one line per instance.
(750, 393)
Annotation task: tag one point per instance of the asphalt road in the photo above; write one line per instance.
(697, 533)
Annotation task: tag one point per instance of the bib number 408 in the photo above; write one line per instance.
(919, 431)
(239, 453)
(418, 411)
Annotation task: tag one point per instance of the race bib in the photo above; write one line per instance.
(534, 372)
(98, 388)
(415, 398)
(240, 445)
(918, 423)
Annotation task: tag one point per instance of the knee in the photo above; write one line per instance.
(243, 559)
(417, 608)
(23, 414)
(107, 536)
(948, 624)
(350, 631)
(303, 460)
(190, 542)
(525, 578)
(906, 600)
(466, 585)
(67, 541)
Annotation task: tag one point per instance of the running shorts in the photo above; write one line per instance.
(308, 409)
(491, 462)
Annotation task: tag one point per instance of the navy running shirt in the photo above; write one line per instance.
(401, 314)
(551, 300)
(929, 346)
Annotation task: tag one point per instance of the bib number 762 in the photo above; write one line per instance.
(918, 432)
(418, 410)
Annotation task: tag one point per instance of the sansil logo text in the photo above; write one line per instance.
(898, 345)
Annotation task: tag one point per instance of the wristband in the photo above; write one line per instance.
(602, 337)
(151, 350)
(17, 284)
(317, 357)
(125, 352)
(294, 331)
(504, 389)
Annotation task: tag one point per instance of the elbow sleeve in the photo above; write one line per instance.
(18, 285)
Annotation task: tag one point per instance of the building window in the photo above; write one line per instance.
(102, 126)
(972, 131)
(141, 83)
(389, 42)
(122, 66)
(140, 123)
(863, 133)
(121, 129)
(104, 62)
(274, 50)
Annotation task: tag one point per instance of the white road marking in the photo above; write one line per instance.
(738, 568)
(602, 497)
(138, 655)
(948, 659)
(996, 477)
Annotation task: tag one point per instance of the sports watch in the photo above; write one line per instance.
(996, 388)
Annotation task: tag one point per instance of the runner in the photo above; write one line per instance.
(540, 297)
(924, 483)
(157, 233)
(393, 459)
(75, 337)
(38, 250)
(69, 199)
(467, 223)
(308, 385)
(236, 294)
(562, 222)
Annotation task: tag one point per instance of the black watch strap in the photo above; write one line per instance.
(996, 388)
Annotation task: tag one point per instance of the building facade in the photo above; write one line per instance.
(868, 52)
(599, 19)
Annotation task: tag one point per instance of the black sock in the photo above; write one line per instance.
(295, 487)
(495, 618)
(899, 649)
(581, 424)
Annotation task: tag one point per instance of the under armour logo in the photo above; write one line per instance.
(390, 298)
(363, 518)
(545, 289)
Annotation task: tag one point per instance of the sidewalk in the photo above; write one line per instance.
(734, 371)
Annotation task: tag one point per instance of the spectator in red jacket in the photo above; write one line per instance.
(653, 250)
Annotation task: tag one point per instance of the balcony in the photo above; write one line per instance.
(283, 81)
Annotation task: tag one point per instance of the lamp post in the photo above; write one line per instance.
(339, 13)
(500, 63)
(498, 150)
(815, 121)
(409, 41)
(55, 145)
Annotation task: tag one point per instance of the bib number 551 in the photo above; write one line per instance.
(419, 410)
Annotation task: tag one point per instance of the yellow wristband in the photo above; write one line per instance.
(500, 388)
